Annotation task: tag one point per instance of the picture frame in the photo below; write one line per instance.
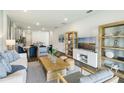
(61, 38)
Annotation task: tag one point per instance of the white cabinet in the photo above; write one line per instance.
(85, 56)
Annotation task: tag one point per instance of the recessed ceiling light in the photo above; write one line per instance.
(65, 19)
(37, 23)
(43, 28)
(25, 11)
(28, 27)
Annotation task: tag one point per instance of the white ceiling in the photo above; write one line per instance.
(49, 19)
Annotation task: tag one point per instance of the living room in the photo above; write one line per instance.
(69, 46)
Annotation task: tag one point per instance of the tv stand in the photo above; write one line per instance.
(85, 56)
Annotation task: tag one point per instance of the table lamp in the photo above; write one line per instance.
(10, 44)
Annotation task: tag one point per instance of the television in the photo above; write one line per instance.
(88, 43)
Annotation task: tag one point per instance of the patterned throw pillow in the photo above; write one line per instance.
(5, 56)
(16, 56)
(3, 72)
(10, 56)
(6, 64)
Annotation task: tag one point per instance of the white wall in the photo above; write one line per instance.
(50, 37)
(3, 30)
(28, 38)
(88, 26)
(40, 36)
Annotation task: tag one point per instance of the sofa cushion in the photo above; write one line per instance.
(23, 55)
(5, 56)
(98, 77)
(1, 52)
(10, 56)
(74, 77)
(21, 61)
(6, 64)
(19, 73)
(15, 55)
(17, 77)
(16, 68)
(3, 72)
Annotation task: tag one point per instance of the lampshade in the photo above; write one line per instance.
(10, 42)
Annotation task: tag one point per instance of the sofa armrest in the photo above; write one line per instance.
(112, 80)
(17, 77)
(23, 55)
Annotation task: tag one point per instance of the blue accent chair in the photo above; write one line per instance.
(21, 50)
(50, 49)
(33, 52)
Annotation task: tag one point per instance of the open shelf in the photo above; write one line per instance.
(110, 36)
(112, 59)
(71, 41)
(113, 48)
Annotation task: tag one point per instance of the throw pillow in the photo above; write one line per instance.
(16, 56)
(16, 68)
(10, 56)
(3, 72)
(5, 56)
(6, 65)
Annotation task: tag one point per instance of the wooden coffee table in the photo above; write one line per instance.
(53, 68)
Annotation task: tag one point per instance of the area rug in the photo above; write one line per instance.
(35, 73)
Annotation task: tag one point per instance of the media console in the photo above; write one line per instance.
(85, 56)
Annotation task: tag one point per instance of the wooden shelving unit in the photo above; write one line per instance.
(71, 42)
(109, 36)
(113, 48)
(112, 59)
(102, 46)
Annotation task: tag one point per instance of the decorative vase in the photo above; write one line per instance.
(109, 54)
(53, 58)
(116, 43)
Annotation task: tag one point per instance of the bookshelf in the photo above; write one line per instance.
(110, 36)
(110, 33)
(71, 42)
(112, 59)
(113, 48)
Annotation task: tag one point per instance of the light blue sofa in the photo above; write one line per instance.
(20, 75)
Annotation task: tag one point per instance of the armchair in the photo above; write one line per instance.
(102, 76)
(42, 51)
(21, 50)
(33, 52)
